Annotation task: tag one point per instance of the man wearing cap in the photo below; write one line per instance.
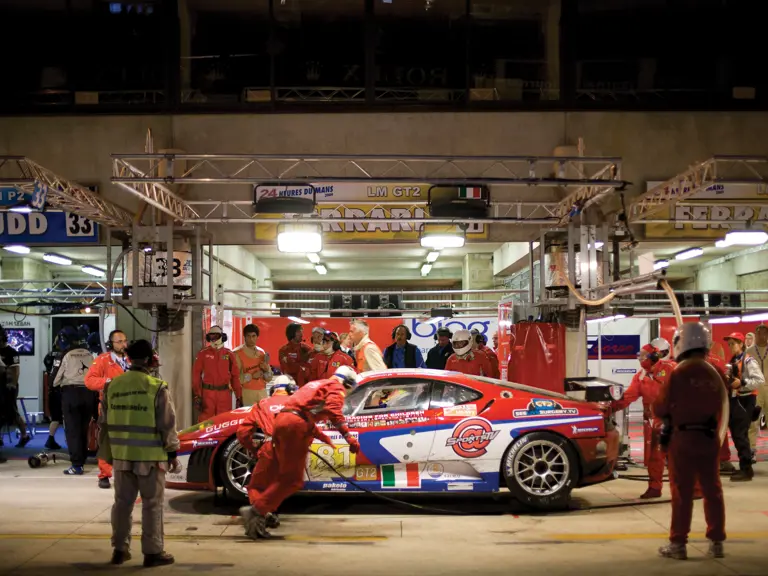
(215, 377)
(438, 356)
(759, 351)
(744, 379)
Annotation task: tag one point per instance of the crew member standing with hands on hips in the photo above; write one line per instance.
(104, 369)
(138, 437)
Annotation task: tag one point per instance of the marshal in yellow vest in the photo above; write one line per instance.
(131, 426)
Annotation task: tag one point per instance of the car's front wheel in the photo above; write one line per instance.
(540, 470)
(235, 467)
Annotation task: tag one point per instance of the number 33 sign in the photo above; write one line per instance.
(79, 226)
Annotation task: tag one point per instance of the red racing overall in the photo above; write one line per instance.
(294, 361)
(215, 376)
(280, 470)
(473, 364)
(646, 385)
(692, 399)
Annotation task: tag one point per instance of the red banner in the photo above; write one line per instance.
(667, 327)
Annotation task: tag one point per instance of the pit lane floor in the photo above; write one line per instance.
(53, 523)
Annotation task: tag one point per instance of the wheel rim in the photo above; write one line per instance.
(541, 468)
(239, 467)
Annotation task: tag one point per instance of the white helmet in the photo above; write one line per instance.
(462, 342)
(347, 376)
(691, 336)
(282, 382)
(662, 346)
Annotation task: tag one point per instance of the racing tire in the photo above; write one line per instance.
(235, 467)
(540, 470)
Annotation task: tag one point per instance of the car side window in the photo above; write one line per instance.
(395, 395)
(354, 399)
(447, 394)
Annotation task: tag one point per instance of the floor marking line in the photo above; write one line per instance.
(185, 537)
(575, 537)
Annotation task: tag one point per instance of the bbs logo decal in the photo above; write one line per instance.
(471, 437)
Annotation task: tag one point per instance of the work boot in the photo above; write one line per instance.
(104, 483)
(727, 468)
(51, 444)
(743, 475)
(650, 493)
(716, 550)
(674, 551)
(120, 556)
(162, 559)
(272, 521)
(24, 441)
(255, 523)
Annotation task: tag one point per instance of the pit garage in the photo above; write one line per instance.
(562, 266)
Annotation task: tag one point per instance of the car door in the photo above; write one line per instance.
(458, 422)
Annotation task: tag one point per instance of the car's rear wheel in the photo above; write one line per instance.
(235, 467)
(540, 470)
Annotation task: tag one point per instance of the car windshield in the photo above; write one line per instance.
(521, 387)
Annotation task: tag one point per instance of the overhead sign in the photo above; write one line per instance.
(614, 347)
(12, 196)
(46, 228)
(347, 192)
(725, 203)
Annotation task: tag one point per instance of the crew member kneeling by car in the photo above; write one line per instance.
(294, 429)
(138, 437)
(466, 360)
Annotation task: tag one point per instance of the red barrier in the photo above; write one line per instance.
(537, 356)
(667, 327)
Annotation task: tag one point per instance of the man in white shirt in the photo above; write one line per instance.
(759, 351)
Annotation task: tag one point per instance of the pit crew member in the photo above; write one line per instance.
(330, 359)
(466, 360)
(692, 402)
(253, 363)
(294, 428)
(215, 376)
(481, 341)
(294, 356)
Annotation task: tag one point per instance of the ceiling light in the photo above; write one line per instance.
(725, 320)
(314, 258)
(688, 254)
(758, 317)
(298, 320)
(321, 269)
(746, 237)
(432, 256)
(659, 264)
(24, 209)
(425, 269)
(438, 241)
(722, 244)
(147, 249)
(17, 248)
(87, 310)
(598, 245)
(435, 320)
(299, 238)
(606, 318)
(57, 259)
(93, 271)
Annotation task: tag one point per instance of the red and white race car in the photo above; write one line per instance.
(433, 431)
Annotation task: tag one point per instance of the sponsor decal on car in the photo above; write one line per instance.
(366, 473)
(434, 470)
(577, 430)
(204, 443)
(391, 419)
(470, 438)
(335, 486)
(400, 476)
(544, 407)
(463, 410)
(451, 486)
(223, 425)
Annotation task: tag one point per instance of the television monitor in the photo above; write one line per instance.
(22, 340)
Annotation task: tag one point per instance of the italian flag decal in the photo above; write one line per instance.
(400, 476)
(470, 193)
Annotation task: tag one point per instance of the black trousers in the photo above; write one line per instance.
(740, 420)
(77, 405)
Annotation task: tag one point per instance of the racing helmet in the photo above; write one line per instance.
(347, 376)
(691, 336)
(283, 384)
(215, 333)
(662, 345)
(462, 342)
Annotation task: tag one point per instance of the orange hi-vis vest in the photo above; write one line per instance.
(362, 363)
(252, 365)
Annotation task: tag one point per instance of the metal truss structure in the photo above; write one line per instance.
(62, 194)
(149, 175)
(21, 292)
(717, 170)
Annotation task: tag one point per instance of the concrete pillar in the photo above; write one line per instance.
(477, 274)
(175, 350)
(576, 352)
(551, 27)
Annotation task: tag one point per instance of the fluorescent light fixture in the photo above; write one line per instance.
(688, 254)
(659, 264)
(435, 320)
(87, 310)
(432, 256)
(314, 258)
(24, 209)
(17, 248)
(293, 238)
(425, 269)
(298, 320)
(93, 271)
(606, 319)
(438, 241)
(722, 244)
(293, 314)
(757, 317)
(147, 249)
(57, 259)
(725, 320)
(746, 237)
(598, 245)
(321, 269)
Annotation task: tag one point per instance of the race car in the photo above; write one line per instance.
(432, 431)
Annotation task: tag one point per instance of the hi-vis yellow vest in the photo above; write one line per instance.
(131, 425)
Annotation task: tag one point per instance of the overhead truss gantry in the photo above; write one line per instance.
(149, 176)
(21, 292)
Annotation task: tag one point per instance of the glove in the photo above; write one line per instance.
(197, 403)
(354, 445)
(239, 402)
